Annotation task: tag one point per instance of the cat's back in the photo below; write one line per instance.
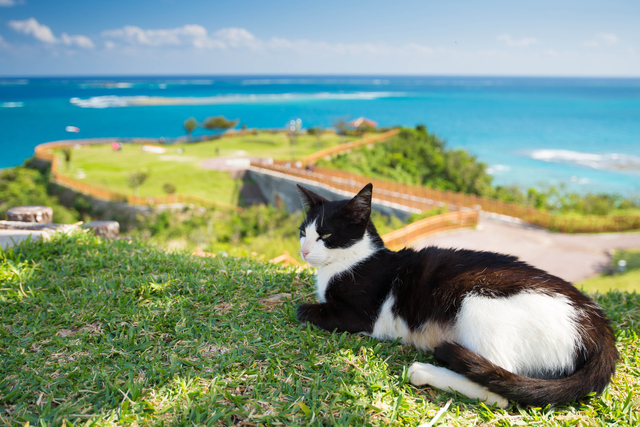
(437, 280)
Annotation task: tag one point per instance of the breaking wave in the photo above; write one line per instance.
(302, 81)
(607, 161)
(12, 105)
(136, 101)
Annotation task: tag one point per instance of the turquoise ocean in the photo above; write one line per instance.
(583, 133)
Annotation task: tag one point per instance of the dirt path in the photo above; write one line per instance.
(573, 257)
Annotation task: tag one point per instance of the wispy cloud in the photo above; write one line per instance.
(3, 43)
(32, 27)
(187, 35)
(602, 39)
(511, 42)
(78, 40)
(44, 34)
(9, 3)
(235, 38)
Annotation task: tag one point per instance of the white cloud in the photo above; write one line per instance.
(194, 35)
(511, 42)
(3, 43)
(602, 39)
(234, 38)
(43, 33)
(552, 52)
(237, 37)
(32, 27)
(9, 3)
(80, 41)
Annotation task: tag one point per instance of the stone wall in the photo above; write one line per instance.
(281, 190)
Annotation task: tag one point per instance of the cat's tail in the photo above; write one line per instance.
(592, 376)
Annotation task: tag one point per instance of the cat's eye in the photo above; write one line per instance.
(325, 236)
(303, 233)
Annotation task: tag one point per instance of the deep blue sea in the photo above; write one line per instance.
(584, 133)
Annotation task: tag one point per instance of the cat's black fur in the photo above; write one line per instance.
(430, 285)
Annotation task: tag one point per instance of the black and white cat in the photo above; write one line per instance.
(509, 331)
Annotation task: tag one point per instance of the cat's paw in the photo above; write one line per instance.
(419, 373)
(491, 398)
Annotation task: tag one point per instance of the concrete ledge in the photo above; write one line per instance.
(10, 238)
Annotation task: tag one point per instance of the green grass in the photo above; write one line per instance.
(628, 281)
(99, 332)
(108, 169)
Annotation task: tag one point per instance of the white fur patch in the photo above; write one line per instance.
(332, 262)
(529, 334)
(426, 337)
(388, 326)
(445, 379)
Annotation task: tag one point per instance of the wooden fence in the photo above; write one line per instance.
(415, 231)
(422, 198)
(414, 197)
(348, 146)
(44, 152)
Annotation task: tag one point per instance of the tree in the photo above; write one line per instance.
(218, 124)
(66, 152)
(317, 131)
(136, 179)
(190, 125)
(169, 188)
(342, 127)
(364, 128)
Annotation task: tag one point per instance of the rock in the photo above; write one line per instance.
(106, 229)
(37, 214)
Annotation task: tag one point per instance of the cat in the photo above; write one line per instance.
(507, 331)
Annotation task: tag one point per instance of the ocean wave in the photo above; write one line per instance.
(108, 101)
(12, 82)
(107, 85)
(289, 81)
(136, 101)
(606, 161)
(12, 105)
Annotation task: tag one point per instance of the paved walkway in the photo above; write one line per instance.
(573, 257)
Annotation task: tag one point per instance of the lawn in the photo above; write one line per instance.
(628, 281)
(180, 165)
(99, 332)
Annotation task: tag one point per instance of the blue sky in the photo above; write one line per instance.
(493, 37)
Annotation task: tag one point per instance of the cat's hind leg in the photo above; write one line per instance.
(447, 380)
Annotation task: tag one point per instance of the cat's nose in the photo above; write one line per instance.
(304, 252)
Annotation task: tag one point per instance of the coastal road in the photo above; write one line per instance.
(573, 257)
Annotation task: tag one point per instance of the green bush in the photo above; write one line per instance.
(417, 157)
(22, 186)
(259, 230)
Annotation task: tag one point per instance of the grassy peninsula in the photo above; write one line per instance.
(181, 163)
(96, 332)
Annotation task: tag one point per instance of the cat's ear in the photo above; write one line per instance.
(309, 198)
(359, 208)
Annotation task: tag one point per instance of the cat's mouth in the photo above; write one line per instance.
(313, 262)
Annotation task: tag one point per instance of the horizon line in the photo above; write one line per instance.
(310, 75)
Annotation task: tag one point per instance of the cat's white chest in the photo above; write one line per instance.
(322, 283)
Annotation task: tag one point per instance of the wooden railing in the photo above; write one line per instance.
(422, 198)
(368, 140)
(415, 231)
(44, 152)
(415, 198)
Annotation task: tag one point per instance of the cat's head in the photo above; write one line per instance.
(338, 229)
